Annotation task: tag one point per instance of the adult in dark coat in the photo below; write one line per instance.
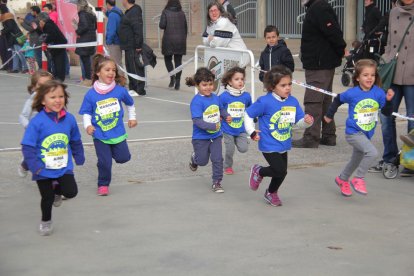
(4, 53)
(174, 40)
(372, 19)
(52, 35)
(322, 48)
(131, 36)
(86, 32)
(34, 37)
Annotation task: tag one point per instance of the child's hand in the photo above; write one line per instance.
(390, 94)
(132, 123)
(218, 126)
(308, 119)
(90, 130)
(327, 120)
(256, 136)
(228, 119)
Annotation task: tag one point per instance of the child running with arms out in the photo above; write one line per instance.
(103, 118)
(38, 78)
(234, 100)
(207, 134)
(51, 139)
(277, 112)
(364, 100)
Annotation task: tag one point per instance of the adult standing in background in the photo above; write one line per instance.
(53, 15)
(229, 9)
(403, 83)
(86, 32)
(131, 36)
(114, 15)
(371, 20)
(221, 31)
(174, 40)
(322, 48)
(32, 33)
(4, 53)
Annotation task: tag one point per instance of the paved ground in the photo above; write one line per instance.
(162, 219)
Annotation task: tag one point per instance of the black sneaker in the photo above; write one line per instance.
(193, 166)
(216, 187)
(377, 168)
(406, 173)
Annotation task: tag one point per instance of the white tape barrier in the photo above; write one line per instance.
(10, 59)
(402, 116)
(73, 45)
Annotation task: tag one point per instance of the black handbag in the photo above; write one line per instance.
(386, 70)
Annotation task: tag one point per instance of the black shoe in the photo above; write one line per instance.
(193, 166)
(177, 83)
(172, 82)
(301, 143)
(328, 141)
(142, 93)
(406, 173)
(377, 168)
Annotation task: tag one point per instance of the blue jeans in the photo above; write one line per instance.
(19, 62)
(389, 133)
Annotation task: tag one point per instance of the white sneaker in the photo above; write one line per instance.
(21, 171)
(58, 201)
(133, 93)
(45, 228)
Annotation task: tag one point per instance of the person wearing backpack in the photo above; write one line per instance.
(114, 15)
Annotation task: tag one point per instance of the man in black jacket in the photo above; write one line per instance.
(53, 36)
(322, 48)
(131, 36)
(372, 19)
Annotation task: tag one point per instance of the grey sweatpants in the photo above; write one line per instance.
(364, 155)
(210, 149)
(230, 143)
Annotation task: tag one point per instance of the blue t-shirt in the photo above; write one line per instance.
(276, 119)
(208, 109)
(235, 106)
(51, 140)
(363, 109)
(107, 112)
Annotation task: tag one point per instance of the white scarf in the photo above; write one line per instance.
(234, 91)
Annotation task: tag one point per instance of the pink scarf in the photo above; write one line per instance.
(103, 88)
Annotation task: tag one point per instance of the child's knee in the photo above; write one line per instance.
(70, 194)
(123, 159)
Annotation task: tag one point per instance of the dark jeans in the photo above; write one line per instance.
(38, 56)
(87, 67)
(209, 149)
(58, 58)
(389, 132)
(105, 152)
(317, 104)
(66, 187)
(277, 169)
(170, 66)
(135, 66)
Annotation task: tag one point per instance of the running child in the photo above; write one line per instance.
(37, 79)
(103, 115)
(234, 100)
(50, 140)
(364, 100)
(277, 112)
(207, 134)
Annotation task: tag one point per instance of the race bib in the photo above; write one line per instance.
(108, 106)
(56, 159)
(236, 109)
(212, 114)
(288, 114)
(367, 116)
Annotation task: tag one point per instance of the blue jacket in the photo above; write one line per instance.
(114, 19)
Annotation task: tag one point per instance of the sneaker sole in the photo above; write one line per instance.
(359, 192)
(374, 171)
(218, 191)
(341, 190)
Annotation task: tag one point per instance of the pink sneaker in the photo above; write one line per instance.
(344, 186)
(358, 184)
(272, 198)
(103, 190)
(255, 178)
(228, 171)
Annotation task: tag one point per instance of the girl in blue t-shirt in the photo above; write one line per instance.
(234, 100)
(277, 112)
(364, 100)
(49, 142)
(207, 135)
(103, 115)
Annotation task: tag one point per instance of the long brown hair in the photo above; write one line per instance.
(99, 61)
(229, 75)
(35, 78)
(45, 88)
(360, 65)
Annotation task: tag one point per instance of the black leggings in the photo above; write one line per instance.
(66, 187)
(277, 169)
(177, 62)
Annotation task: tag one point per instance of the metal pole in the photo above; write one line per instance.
(100, 26)
(44, 58)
